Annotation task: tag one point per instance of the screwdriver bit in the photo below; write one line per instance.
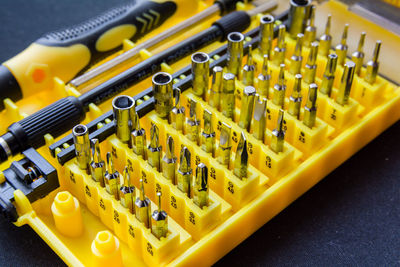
(248, 69)
(259, 122)
(224, 148)
(241, 163)
(235, 53)
(216, 87)
(264, 79)
(310, 31)
(310, 109)
(278, 97)
(200, 73)
(297, 59)
(169, 161)
(266, 34)
(280, 48)
(142, 207)
(341, 49)
(346, 82)
(97, 166)
(358, 56)
(208, 134)
(278, 135)
(295, 98)
(373, 65)
(325, 41)
(184, 174)
(192, 123)
(111, 177)
(247, 107)
(200, 186)
(159, 221)
(329, 75)
(154, 148)
(310, 68)
(138, 138)
(228, 95)
(127, 192)
(177, 112)
(80, 134)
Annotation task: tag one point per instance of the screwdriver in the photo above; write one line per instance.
(69, 111)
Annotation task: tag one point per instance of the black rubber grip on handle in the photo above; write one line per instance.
(144, 15)
(237, 21)
(55, 119)
(227, 6)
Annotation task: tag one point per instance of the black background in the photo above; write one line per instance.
(352, 217)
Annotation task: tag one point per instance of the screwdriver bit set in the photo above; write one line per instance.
(182, 172)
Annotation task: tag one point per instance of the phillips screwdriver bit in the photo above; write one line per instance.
(97, 166)
(192, 123)
(235, 53)
(346, 82)
(325, 41)
(200, 186)
(80, 134)
(111, 177)
(297, 59)
(278, 97)
(208, 134)
(177, 112)
(224, 148)
(138, 138)
(329, 75)
(280, 48)
(184, 173)
(310, 68)
(266, 34)
(373, 65)
(142, 207)
(159, 221)
(169, 161)
(200, 73)
(215, 92)
(247, 107)
(228, 95)
(162, 90)
(241, 162)
(295, 98)
(310, 109)
(341, 49)
(278, 135)
(259, 122)
(127, 192)
(154, 148)
(358, 55)
(310, 31)
(248, 69)
(264, 79)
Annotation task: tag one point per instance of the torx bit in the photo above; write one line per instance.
(329, 75)
(373, 65)
(325, 41)
(184, 173)
(215, 92)
(162, 90)
(138, 138)
(97, 166)
(241, 158)
(280, 48)
(127, 192)
(297, 59)
(228, 95)
(154, 148)
(358, 55)
(224, 147)
(295, 98)
(80, 134)
(169, 161)
(346, 82)
(248, 69)
(177, 112)
(111, 177)
(310, 109)
(192, 123)
(235, 53)
(200, 73)
(264, 79)
(123, 107)
(247, 107)
(259, 122)
(208, 134)
(278, 97)
(278, 135)
(310, 31)
(159, 221)
(298, 15)
(341, 49)
(142, 207)
(310, 68)
(266, 34)
(200, 186)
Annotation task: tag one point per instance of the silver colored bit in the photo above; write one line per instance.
(228, 95)
(346, 82)
(177, 112)
(241, 163)
(310, 31)
(216, 88)
(310, 68)
(138, 138)
(248, 69)
(123, 106)
(208, 134)
(224, 148)
(259, 122)
(200, 73)
(341, 49)
(325, 41)
(200, 186)
(169, 161)
(298, 14)
(97, 166)
(280, 88)
(373, 65)
(127, 192)
(143, 207)
(296, 98)
(159, 221)
(111, 178)
(266, 34)
(163, 93)
(192, 123)
(247, 107)
(264, 79)
(297, 59)
(329, 75)
(278, 135)
(358, 55)
(280, 48)
(184, 174)
(310, 109)
(154, 148)
(235, 52)
(80, 134)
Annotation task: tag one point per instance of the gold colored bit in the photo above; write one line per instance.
(169, 161)
(310, 110)
(325, 42)
(142, 207)
(97, 166)
(192, 123)
(278, 97)
(111, 178)
(177, 112)
(200, 73)
(341, 49)
(224, 148)
(296, 98)
(208, 134)
(80, 134)
(235, 53)
(154, 148)
(297, 59)
(264, 79)
(241, 163)
(228, 95)
(346, 82)
(280, 48)
(310, 31)
(259, 122)
(373, 65)
(200, 186)
(329, 75)
(266, 34)
(127, 192)
(159, 221)
(311, 66)
(138, 138)
(215, 92)
(358, 56)
(184, 174)
(278, 135)
(247, 107)
(248, 69)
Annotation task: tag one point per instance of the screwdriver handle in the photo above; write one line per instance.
(69, 51)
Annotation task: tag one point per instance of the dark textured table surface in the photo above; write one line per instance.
(352, 217)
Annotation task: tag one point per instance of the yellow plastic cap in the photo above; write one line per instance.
(67, 214)
(106, 250)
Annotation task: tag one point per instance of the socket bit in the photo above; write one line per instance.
(80, 134)
(235, 53)
(123, 107)
(162, 90)
(200, 73)
(266, 34)
(298, 14)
